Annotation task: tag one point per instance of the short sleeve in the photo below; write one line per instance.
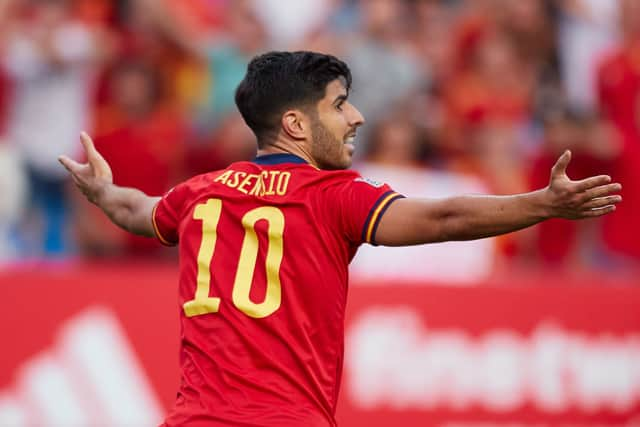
(166, 216)
(361, 203)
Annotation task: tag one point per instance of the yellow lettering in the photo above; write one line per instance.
(236, 179)
(245, 182)
(223, 177)
(283, 183)
(258, 186)
(265, 177)
(267, 183)
(272, 182)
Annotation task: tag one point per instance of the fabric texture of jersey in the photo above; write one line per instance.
(264, 251)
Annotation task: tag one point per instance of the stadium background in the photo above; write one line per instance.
(540, 327)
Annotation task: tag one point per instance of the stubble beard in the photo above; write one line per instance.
(326, 149)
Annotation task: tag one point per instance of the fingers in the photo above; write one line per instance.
(70, 165)
(591, 182)
(592, 213)
(89, 147)
(560, 168)
(99, 165)
(601, 202)
(601, 191)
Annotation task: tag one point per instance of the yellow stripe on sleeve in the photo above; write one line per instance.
(376, 214)
(156, 230)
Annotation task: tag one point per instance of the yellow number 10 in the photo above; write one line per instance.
(202, 303)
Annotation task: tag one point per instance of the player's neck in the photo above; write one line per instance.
(287, 147)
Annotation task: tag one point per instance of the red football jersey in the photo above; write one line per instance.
(264, 253)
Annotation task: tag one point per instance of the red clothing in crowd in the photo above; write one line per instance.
(619, 87)
(622, 230)
(4, 101)
(146, 154)
(619, 92)
(557, 239)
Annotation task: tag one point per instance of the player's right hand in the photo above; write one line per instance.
(91, 177)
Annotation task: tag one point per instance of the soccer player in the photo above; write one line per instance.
(265, 245)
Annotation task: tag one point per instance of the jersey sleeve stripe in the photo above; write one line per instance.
(157, 231)
(375, 214)
(372, 237)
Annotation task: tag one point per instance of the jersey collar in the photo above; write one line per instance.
(278, 158)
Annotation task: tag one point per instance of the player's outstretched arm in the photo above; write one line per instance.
(128, 208)
(415, 221)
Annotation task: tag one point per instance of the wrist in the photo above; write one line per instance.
(98, 193)
(542, 204)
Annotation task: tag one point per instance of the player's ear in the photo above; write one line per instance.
(294, 124)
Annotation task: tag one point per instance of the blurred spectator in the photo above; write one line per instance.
(243, 37)
(487, 105)
(619, 73)
(595, 148)
(587, 28)
(382, 61)
(619, 96)
(434, 45)
(13, 189)
(530, 26)
(397, 143)
(225, 54)
(232, 141)
(399, 154)
(222, 137)
(140, 35)
(5, 91)
(142, 138)
(434, 41)
(287, 22)
(48, 56)
(459, 96)
(201, 16)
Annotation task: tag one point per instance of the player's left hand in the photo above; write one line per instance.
(91, 177)
(587, 198)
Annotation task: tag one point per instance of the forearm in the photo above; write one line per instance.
(128, 208)
(475, 217)
(417, 221)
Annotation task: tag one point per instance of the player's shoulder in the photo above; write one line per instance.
(195, 185)
(200, 180)
(348, 177)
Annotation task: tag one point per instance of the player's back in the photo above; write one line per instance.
(264, 251)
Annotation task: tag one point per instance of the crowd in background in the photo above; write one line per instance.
(487, 92)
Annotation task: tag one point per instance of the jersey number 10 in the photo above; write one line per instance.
(202, 303)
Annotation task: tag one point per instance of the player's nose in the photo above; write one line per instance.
(356, 118)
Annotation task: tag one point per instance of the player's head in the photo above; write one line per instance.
(301, 97)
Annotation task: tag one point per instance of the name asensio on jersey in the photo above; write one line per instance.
(266, 183)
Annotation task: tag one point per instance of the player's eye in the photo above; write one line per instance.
(339, 106)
